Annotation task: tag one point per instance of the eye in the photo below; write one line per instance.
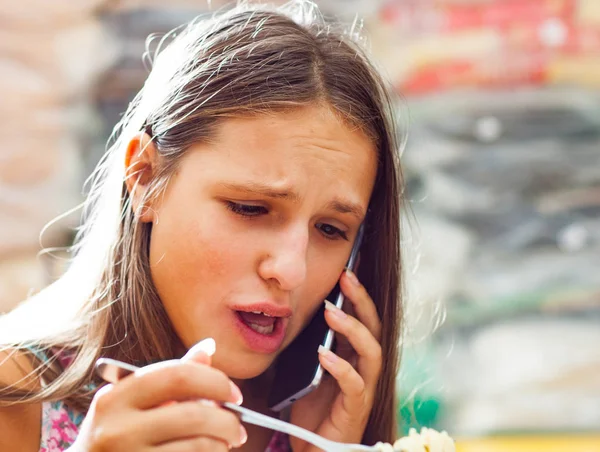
(331, 232)
(246, 210)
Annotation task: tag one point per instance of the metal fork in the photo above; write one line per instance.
(112, 371)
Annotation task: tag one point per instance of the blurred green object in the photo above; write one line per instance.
(420, 401)
(417, 413)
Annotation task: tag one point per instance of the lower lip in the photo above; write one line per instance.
(258, 342)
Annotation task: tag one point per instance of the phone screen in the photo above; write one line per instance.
(298, 370)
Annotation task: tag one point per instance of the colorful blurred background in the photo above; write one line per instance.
(501, 100)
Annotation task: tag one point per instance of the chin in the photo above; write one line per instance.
(244, 369)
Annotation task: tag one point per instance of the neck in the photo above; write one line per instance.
(256, 390)
(256, 394)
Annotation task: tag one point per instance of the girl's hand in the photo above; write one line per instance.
(339, 409)
(162, 407)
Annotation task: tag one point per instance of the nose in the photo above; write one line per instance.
(284, 263)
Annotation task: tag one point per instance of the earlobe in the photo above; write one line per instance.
(140, 167)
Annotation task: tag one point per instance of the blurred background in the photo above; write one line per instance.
(502, 103)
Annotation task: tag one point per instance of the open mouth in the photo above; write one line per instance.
(259, 321)
(262, 327)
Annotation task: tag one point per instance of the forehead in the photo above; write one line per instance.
(306, 148)
(314, 130)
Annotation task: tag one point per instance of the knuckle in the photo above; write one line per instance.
(361, 330)
(104, 438)
(351, 327)
(347, 370)
(360, 387)
(194, 413)
(357, 387)
(352, 324)
(103, 402)
(179, 377)
(377, 354)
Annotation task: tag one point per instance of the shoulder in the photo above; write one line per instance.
(20, 424)
(16, 368)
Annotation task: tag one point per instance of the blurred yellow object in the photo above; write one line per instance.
(578, 70)
(545, 443)
(588, 12)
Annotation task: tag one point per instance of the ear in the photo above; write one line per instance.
(141, 157)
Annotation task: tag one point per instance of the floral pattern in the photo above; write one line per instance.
(280, 442)
(60, 426)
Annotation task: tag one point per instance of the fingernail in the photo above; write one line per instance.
(208, 346)
(327, 354)
(352, 277)
(333, 308)
(236, 394)
(243, 435)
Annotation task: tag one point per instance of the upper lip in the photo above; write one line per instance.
(271, 309)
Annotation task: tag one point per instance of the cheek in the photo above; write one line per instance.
(327, 271)
(217, 255)
(323, 276)
(192, 258)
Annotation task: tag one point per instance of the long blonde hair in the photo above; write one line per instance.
(249, 60)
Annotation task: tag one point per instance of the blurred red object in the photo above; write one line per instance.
(526, 42)
(445, 16)
(496, 72)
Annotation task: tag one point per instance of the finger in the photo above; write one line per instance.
(166, 381)
(198, 358)
(200, 444)
(201, 352)
(191, 419)
(360, 338)
(350, 382)
(361, 301)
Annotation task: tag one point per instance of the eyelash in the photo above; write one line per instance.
(250, 210)
(246, 210)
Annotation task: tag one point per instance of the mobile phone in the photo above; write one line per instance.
(297, 369)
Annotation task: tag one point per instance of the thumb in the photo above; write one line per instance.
(201, 352)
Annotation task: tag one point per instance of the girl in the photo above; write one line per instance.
(225, 208)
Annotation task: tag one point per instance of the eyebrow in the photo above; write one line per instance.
(255, 188)
(347, 207)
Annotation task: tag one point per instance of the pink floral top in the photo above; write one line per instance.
(60, 426)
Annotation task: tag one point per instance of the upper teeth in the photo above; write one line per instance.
(260, 312)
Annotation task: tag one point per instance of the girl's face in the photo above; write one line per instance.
(261, 220)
